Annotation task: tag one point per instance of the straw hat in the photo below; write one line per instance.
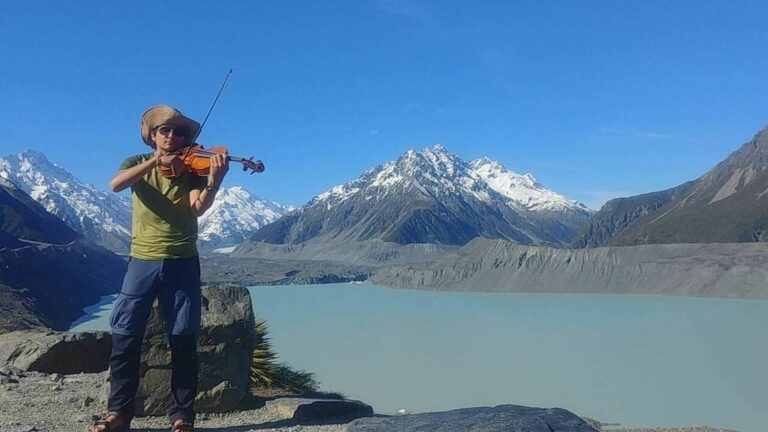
(158, 115)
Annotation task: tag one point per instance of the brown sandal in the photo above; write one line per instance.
(111, 422)
(182, 425)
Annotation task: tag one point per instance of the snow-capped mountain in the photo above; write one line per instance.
(433, 196)
(102, 217)
(105, 217)
(525, 193)
(235, 215)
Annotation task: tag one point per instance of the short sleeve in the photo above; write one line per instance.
(134, 160)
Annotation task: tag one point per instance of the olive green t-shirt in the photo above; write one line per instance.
(162, 223)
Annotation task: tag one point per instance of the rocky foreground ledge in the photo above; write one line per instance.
(36, 401)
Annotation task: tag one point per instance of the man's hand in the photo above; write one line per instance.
(219, 168)
(201, 200)
(173, 162)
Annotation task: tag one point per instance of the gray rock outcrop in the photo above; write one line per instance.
(225, 348)
(502, 418)
(55, 352)
(317, 411)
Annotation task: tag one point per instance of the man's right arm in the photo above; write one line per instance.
(125, 178)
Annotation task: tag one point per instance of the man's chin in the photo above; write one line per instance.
(171, 147)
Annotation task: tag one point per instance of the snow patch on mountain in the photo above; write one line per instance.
(337, 194)
(4, 182)
(234, 215)
(434, 171)
(523, 191)
(83, 207)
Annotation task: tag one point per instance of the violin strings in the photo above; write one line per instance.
(210, 153)
(206, 153)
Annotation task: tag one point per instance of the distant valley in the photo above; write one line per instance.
(426, 220)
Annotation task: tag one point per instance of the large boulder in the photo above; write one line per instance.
(502, 418)
(309, 411)
(55, 352)
(225, 350)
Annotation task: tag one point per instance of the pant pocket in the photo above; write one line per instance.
(129, 315)
(140, 278)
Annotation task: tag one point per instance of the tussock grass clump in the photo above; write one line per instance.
(268, 373)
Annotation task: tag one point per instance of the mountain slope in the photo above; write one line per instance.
(618, 214)
(546, 208)
(100, 216)
(429, 196)
(48, 272)
(727, 204)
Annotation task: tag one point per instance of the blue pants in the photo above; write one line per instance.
(176, 284)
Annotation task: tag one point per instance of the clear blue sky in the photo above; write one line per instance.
(597, 99)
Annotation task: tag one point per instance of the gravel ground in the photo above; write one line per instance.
(42, 402)
(681, 429)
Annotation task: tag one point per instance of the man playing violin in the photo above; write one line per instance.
(164, 264)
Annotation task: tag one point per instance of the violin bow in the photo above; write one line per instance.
(256, 166)
(212, 105)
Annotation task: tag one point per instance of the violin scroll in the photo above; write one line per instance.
(254, 166)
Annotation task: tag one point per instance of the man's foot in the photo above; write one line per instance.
(112, 422)
(182, 425)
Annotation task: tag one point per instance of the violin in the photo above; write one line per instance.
(197, 160)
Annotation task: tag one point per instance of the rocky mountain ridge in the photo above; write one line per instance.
(524, 192)
(100, 216)
(729, 203)
(432, 196)
(619, 213)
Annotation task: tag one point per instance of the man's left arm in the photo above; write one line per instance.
(202, 198)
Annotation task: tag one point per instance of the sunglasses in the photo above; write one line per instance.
(178, 131)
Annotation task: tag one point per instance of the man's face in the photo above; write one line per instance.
(169, 138)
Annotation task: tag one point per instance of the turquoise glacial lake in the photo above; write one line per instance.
(633, 360)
